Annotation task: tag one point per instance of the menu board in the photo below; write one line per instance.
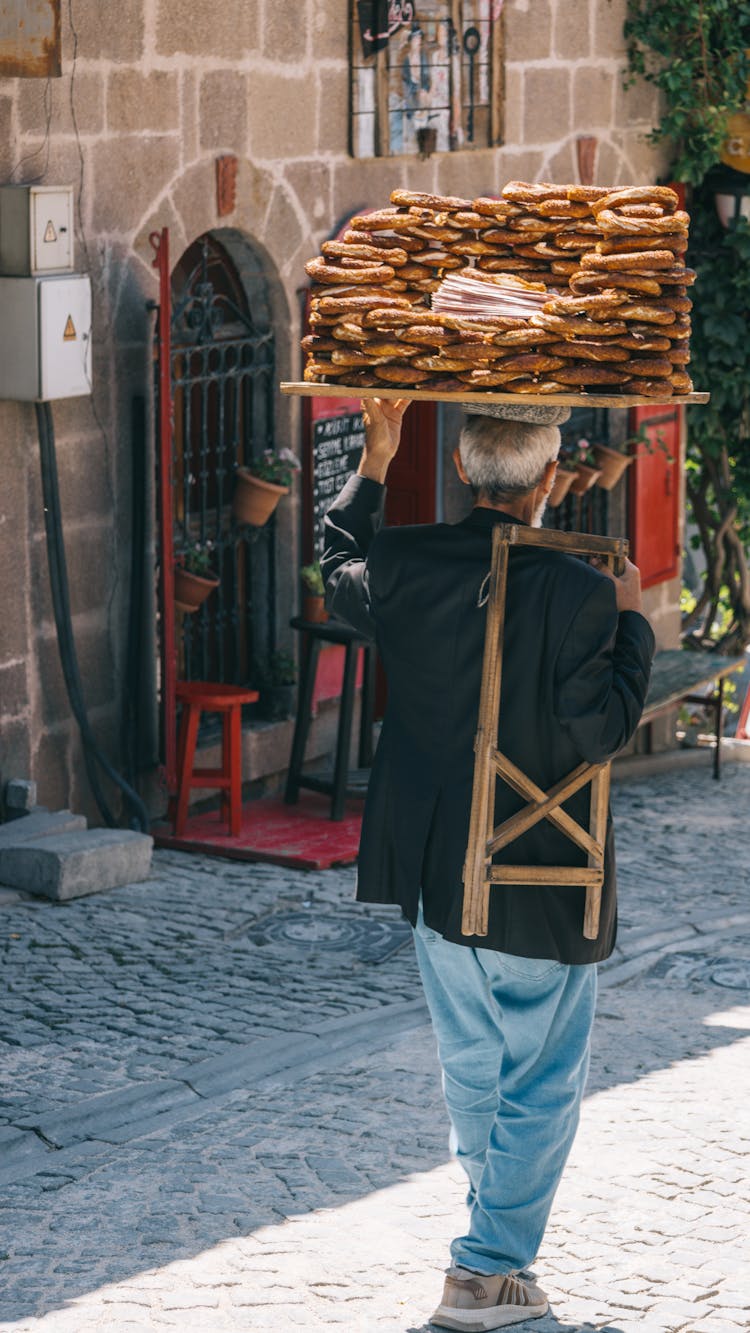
(337, 447)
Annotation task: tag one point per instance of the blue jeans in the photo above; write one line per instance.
(513, 1039)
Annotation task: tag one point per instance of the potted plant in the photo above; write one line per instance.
(194, 578)
(564, 478)
(260, 486)
(586, 471)
(313, 596)
(276, 678)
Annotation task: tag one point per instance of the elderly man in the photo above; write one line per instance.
(512, 1011)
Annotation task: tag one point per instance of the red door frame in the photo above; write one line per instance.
(654, 494)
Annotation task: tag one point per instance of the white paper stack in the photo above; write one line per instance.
(475, 296)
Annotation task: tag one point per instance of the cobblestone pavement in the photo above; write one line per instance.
(219, 1113)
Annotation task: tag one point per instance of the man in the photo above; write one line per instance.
(512, 1011)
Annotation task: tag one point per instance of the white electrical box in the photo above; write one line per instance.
(45, 338)
(36, 229)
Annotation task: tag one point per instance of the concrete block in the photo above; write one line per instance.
(109, 1110)
(70, 865)
(20, 794)
(546, 115)
(39, 824)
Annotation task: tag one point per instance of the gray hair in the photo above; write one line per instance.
(506, 457)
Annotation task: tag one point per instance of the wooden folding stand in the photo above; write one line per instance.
(490, 763)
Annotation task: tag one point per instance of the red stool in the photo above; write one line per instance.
(195, 697)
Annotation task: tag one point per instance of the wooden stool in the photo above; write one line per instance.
(490, 763)
(197, 696)
(315, 635)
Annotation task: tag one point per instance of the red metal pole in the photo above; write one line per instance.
(160, 244)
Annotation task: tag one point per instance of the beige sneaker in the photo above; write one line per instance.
(477, 1302)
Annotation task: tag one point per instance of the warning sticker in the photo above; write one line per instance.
(70, 334)
(49, 232)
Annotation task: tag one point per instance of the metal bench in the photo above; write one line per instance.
(677, 676)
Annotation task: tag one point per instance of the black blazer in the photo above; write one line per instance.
(575, 675)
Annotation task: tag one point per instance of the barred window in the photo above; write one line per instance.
(426, 76)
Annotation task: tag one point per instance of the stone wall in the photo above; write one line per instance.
(157, 92)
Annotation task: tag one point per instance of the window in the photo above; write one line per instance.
(426, 76)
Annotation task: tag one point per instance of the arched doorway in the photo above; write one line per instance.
(222, 380)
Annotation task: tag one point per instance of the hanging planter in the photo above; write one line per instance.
(254, 500)
(560, 487)
(313, 594)
(191, 590)
(584, 478)
(259, 487)
(612, 465)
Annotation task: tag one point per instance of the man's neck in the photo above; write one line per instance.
(521, 507)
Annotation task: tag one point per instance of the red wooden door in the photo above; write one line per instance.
(412, 475)
(655, 495)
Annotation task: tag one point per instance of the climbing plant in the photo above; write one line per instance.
(696, 53)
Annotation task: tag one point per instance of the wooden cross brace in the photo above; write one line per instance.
(490, 764)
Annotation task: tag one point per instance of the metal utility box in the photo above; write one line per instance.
(45, 338)
(36, 229)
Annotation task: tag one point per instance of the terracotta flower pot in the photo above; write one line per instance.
(254, 500)
(191, 590)
(612, 465)
(584, 478)
(314, 608)
(560, 487)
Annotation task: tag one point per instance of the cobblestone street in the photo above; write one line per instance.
(220, 1105)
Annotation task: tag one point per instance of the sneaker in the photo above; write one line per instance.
(478, 1301)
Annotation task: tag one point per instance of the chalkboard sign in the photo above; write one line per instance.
(337, 446)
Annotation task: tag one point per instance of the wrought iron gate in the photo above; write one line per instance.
(214, 385)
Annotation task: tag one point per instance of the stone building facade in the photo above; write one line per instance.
(147, 101)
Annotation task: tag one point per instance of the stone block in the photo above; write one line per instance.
(311, 183)
(98, 1115)
(327, 43)
(223, 114)
(97, 673)
(593, 98)
(14, 694)
(50, 764)
(528, 30)
(561, 165)
(126, 173)
(39, 824)
(608, 22)
(276, 132)
(194, 199)
(89, 105)
(523, 165)
(361, 183)
(229, 29)
(72, 865)
(333, 111)
(636, 105)
(7, 145)
(137, 101)
(89, 556)
(285, 29)
(546, 111)
(467, 175)
(20, 795)
(15, 748)
(514, 98)
(119, 38)
(572, 33)
(283, 232)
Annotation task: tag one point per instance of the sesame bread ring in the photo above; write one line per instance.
(638, 194)
(585, 194)
(564, 267)
(629, 282)
(573, 242)
(562, 208)
(526, 338)
(471, 248)
(470, 221)
(600, 306)
(643, 342)
(588, 351)
(389, 347)
(638, 259)
(444, 383)
(609, 221)
(442, 203)
(508, 264)
(466, 353)
(571, 327)
(679, 353)
(413, 271)
(350, 333)
(382, 240)
(496, 208)
(589, 373)
(543, 250)
(343, 305)
(647, 314)
(642, 210)
(424, 335)
(439, 259)
(487, 379)
(680, 304)
(322, 272)
(317, 370)
(499, 236)
(382, 219)
(435, 235)
(530, 363)
(352, 356)
(626, 245)
(652, 367)
(383, 316)
(679, 276)
(314, 342)
(649, 388)
(523, 192)
(681, 382)
(529, 224)
(396, 374)
(370, 253)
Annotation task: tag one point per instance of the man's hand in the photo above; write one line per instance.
(627, 585)
(382, 418)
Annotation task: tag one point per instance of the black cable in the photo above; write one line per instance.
(58, 574)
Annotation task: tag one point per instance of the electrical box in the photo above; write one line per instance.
(45, 338)
(36, 229)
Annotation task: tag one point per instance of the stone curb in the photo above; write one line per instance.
(193, 1089)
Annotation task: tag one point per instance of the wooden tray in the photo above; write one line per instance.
(306, 390)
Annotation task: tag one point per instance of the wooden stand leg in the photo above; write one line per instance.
(304, 716)
(226, 749)
(187, 757)
(599, 810)
(344, 736)
(235, 771)
(719, 727)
